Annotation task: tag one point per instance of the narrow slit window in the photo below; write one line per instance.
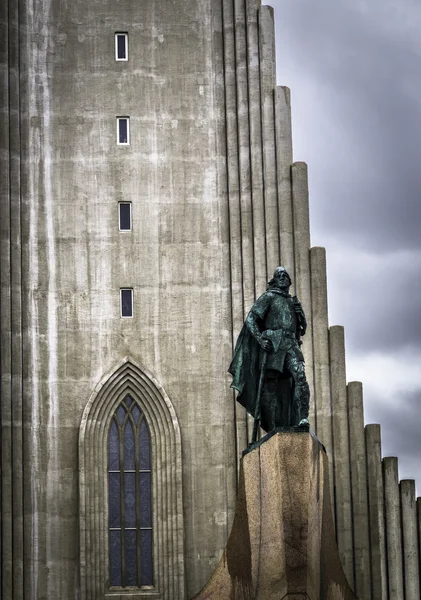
(123, 131)
(126, 297)
(125, 216)
(121, 46)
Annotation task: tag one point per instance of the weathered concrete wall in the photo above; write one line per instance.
(75, 259)
(217, 204)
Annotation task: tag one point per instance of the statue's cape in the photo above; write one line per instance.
(246, 368)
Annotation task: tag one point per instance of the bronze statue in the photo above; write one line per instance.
(268, 365)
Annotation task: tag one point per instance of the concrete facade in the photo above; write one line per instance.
(217, 204)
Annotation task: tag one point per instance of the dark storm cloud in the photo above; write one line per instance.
(400, 431)
(364, 71)
(354, 69)
(376, 298)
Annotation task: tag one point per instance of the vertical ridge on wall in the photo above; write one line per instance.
(267, 88)
(341, 459)
(376, 512)
(243, 140)
(11, 538)
(359, 492)
(418, 508)
(6, 573)
(301, 276)
(320, 342)
(410, 540)
(256, 156)
(233, 193)
(284, 162)
(16, 302)
(393, 528)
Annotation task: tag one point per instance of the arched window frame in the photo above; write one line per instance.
(131, 379)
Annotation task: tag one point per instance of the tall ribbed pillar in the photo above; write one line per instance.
(12, 497)
(244, 154)
(301, 225)
(410, 540)
(5, 325)
(267, 86)
(234, 211)
(419, 530)
(256, 154)
(320, 340)
(341, 457)
(359, 491)
(393, 528)
(284, 164)
(376, 512)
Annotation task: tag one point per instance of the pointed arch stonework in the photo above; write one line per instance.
(129, 378)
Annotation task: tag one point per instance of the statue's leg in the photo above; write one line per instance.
(301, 388)
(270, 407)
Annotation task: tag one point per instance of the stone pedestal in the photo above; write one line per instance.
(282, 544)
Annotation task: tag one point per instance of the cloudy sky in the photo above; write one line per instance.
(354, 69)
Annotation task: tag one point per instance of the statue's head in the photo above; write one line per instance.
(280, 279)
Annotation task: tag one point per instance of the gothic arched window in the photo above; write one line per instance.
(130, 490)
(129, 497)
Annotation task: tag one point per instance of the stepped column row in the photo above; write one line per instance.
(269, 225)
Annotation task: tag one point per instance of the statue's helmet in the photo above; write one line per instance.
(277, 273)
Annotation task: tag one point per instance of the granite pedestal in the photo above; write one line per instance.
(282, 544)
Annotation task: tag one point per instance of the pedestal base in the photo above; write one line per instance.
(282, 544)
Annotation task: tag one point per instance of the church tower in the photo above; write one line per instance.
(148, 192)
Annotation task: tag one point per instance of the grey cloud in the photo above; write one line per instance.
(380, 304)
(366, 79)
(400, 430)
(354, 71)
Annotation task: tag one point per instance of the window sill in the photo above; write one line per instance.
(133, 594)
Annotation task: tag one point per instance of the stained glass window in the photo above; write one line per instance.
(129, 497)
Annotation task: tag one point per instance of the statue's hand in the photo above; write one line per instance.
(266, 344)
(300, 314)
(298, 307)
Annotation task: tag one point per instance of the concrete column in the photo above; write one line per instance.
(393, 528)
(301, 277)
(256, 153)
(301, 225)
(267, 90)
(359, 492)
(283, 167)
(5, 321)
(322, 398)
(11, 531)
(419, 530)
(244, 154)
(410, 540)
(16, 303)
(376, 512)
(341, 458)
(234, 210)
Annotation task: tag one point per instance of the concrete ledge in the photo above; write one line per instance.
(282, 544)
